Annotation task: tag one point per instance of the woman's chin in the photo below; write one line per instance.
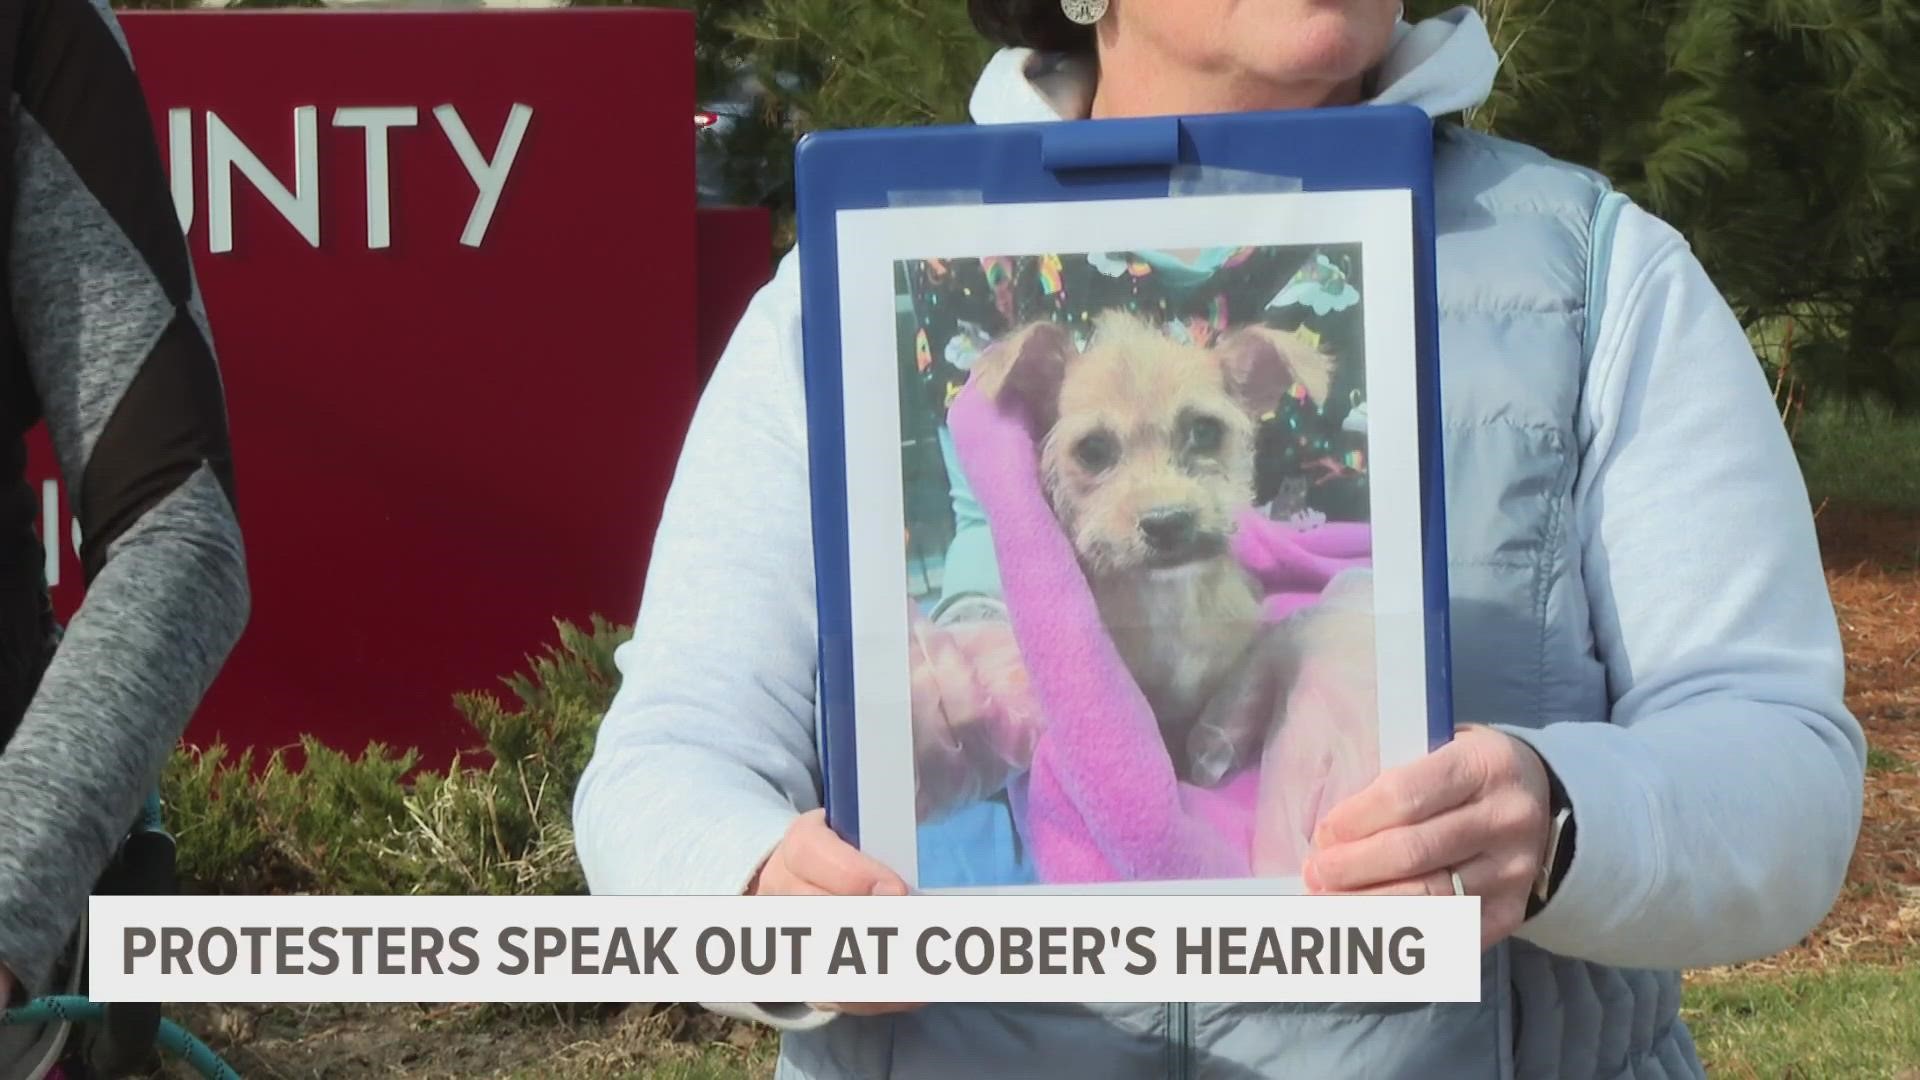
(1330, 45)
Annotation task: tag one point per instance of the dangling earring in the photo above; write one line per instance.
(1084, 12)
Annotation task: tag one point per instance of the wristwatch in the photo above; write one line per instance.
(1559, 852)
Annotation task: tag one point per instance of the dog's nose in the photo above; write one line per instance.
(1167, 530)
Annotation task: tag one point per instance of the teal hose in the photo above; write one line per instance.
(75, 1009)
(72, 1008)
(150, 819)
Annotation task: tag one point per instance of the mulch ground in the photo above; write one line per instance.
(1873, 569)
(473, 1042)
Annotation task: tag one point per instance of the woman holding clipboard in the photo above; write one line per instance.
(1655, 768)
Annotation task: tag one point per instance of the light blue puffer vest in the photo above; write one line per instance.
(1520, 238)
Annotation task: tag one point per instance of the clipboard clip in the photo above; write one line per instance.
(1133, 142)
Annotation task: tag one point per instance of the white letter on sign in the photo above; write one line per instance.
(180, 150)
(225, 153)
(488, 176)
(50, 530)
(376, 120)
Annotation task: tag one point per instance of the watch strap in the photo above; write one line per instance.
(1559, 851)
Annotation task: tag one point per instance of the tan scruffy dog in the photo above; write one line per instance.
(1147, 459)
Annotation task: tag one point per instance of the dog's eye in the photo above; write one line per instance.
(1097, 452)
(1205, 434)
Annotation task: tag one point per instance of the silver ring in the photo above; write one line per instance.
(1459, 887)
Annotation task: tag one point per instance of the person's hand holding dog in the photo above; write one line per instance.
(1478, 806)
(975, 720)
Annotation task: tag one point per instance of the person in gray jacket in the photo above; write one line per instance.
(1657, 769)
(106, 341)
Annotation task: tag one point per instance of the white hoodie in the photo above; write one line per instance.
(1714, 826)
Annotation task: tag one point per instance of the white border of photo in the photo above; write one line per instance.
(872, 241)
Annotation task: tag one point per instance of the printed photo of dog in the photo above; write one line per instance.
(1148, 460)
(1247, 632)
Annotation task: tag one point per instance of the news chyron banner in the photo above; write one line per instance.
(449, 260)
(925, 949)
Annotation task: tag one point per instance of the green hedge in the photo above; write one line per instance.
(315, 820)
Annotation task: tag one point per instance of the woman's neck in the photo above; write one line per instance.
(1131, 84)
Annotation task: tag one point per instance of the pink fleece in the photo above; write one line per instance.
(1102, 801)
(1292, 565)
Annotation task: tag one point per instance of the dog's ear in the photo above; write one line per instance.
(1027, 366)
(1262, 364)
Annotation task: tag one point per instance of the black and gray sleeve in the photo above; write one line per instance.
(115, 338)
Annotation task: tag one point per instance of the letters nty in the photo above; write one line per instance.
(300, 204)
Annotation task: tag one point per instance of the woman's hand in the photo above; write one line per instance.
(1478, 806)
(812, 860)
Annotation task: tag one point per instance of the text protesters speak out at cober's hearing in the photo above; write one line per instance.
(653, 950)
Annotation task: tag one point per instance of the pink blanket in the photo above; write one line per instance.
(1102, 801)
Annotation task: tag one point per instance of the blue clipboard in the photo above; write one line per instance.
(1345, 149)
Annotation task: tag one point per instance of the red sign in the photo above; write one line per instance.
(736, 246)
(450, 265)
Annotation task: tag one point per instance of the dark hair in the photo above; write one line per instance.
(1032, 24)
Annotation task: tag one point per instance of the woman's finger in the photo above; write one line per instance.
(1406, 795)
(1499, 881)
(1474, 874)
(815, 854)
(1403, 852)
(784, 883)
(865, 1008)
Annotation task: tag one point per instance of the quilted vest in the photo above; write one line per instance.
(1521, 240)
